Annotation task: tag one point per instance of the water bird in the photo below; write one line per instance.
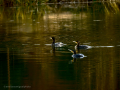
(76, 55)
(78, 46)
(57, 44)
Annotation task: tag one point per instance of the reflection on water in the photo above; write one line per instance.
(27, 59)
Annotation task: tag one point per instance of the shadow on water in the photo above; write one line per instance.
(27, 61)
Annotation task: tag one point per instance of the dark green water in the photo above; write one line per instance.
(27, 61)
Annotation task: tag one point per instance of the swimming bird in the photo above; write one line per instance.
(78, 46)
(57, 44)
(76, 55)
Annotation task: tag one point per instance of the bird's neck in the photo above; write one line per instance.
(78, 44)
(74, 52)
(53, 41)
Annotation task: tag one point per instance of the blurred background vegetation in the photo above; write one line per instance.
(42, 9)
(36, 2)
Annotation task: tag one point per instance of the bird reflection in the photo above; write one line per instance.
(53, 50)
(72, 61)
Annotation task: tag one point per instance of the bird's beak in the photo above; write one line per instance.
(74, 41)
(70, 50)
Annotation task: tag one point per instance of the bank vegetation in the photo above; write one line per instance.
(38, 2)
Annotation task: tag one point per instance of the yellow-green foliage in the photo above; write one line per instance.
(34, 2)
(21, 2)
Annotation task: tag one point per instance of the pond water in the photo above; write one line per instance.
(27, 60)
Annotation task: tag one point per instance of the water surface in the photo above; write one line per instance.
(28, 61)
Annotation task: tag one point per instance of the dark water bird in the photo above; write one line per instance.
(78, 46)
(57, 44)
(76, 55)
